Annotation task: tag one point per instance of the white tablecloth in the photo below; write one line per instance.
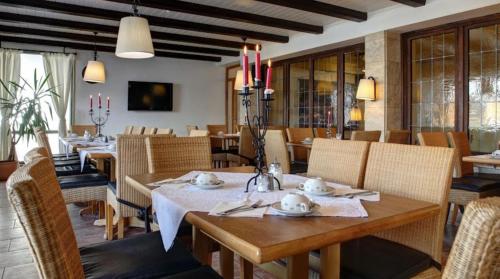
(172, 202)
(84, 152)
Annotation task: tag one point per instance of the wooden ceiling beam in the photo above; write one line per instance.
(92, 27)
(322, 8)
(412, 3)
(217, 12)
(110, 40)
(102, 48)
(87, 11)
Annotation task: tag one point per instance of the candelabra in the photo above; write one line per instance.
(258, 125)
(99, 120)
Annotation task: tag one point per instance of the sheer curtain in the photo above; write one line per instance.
(10, 70)
(61, 68)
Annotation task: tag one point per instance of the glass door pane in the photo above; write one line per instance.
(299, 94)
(325, 91)
(433, 83)
(484, 81)
(277, 106)
(354, 65)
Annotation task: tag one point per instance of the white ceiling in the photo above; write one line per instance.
(249, 6)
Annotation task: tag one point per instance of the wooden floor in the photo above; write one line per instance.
(16, 261)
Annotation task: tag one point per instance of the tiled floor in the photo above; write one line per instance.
(16, 261)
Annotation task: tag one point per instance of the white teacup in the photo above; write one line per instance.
(308, 139)
(314, 185)
(206, 178)
(295, 202)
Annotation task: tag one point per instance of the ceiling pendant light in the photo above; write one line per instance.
(134, 38)
(94, 72)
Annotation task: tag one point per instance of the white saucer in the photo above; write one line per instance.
(330, 191)
(307, 142)
(216, 185)
(277, 207)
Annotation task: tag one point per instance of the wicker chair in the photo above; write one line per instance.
(40, 208)
(339, 161)
(128, 130)
(149, 131)
(178, 154)
(398, 136)
(371, 136)
(298, 135)
(275, 149)
(191, 127)
(246, 150)
(321, 132)
(214, 130)
(131, 159)
(466, 185)
(164, 131)
(198, 133)
(80, 129)
(43, 141)
(79, 188)
(416, 172)
(137, 130)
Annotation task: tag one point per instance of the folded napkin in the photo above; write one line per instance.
(224, 206)
(341, 207)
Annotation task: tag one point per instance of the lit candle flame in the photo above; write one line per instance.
(245, 50)
(269, 63)
(257, 48)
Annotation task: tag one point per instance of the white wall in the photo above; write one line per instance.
(199, 90)
(199, 96)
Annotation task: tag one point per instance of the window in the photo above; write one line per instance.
(30, 63)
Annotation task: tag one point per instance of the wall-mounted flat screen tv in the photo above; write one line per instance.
(152, 96)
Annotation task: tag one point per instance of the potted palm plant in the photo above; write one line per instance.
(25, 114)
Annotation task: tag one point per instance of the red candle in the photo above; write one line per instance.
(90, 101)
(269, 75)
(245, 67)
(329, 121)
(99, 100)
(257, 62)
(107, 103)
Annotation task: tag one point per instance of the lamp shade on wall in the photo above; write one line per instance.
(355, 114)
(238, 83)
(95, 72)
(134, 38)
(366, 89)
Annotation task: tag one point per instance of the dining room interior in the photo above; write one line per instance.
(249, 139)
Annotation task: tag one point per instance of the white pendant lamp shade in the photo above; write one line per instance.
(366, 89)
(134, 38)
(95, 72)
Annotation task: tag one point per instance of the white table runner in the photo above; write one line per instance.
(171, 202)
(84, 152)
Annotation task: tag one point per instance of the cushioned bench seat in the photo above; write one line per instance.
(59, 163)
(75, 170)
(85, 180)
(204, 272)
(141, 256)
(373, 257)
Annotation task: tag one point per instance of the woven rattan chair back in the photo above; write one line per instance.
(321, 132)
(137, 130)
(276, 149)
(416, 172)
(339, 161)
(80, 129)
(42, 140)
(131, 159)
(432, 139)
(149, 131)
(128, 130)
(37, 200)
(476, 249)
(198, 133)
(246, 148)
(298, 135)
(178, 154)
(398, 136)
(36, 153)
(191, 127)
(164, 131)
(460, 141)
(371, 136)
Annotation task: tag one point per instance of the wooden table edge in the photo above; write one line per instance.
(258, 256)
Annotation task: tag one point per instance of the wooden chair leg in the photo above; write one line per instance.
(109, 222)
(226, 263)
(102, 210)
(454, 214)
(246, 269)
(121, 227)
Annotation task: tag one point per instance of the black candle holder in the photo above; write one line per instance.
(99, 120)
(258, 126)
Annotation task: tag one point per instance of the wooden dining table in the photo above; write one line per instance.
(262, 241)
(226, 139)
(307, 146)
(484, 159)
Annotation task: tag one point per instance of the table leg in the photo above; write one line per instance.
(109, 222)
(330, 262)
(201, 246)
(226, 262)
(246, 269)
(298, 266)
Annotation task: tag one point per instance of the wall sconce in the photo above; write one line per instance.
(355, 114)
(366, 89)
(238, 83)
